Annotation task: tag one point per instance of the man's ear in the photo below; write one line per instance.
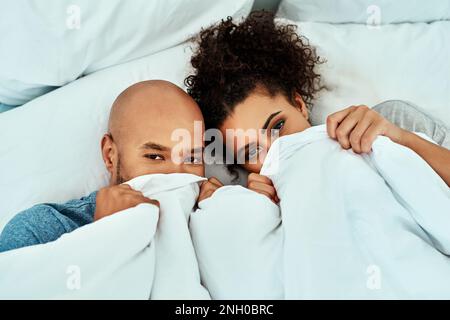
(108, 152)
(301, 105)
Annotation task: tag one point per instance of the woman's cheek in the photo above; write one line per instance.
(297, 126)
(254, 167)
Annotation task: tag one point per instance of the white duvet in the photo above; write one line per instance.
(233, 240)
(348, 226)
(139, 253)
(376, 226)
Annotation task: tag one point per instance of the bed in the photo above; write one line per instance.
(373, 52)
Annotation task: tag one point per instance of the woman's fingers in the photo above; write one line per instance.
(369, 137)
(205, 194)
(260, 178)
(256, 182)
(263, 185)
(265, 189)
(357, 133)
(208, 187)
(216, 182)
(347, 125)
(334, 119)
(350, 127)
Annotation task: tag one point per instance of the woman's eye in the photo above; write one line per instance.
(279, 125)
(253, 152)
(154, 156)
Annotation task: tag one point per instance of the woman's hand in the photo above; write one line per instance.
(357, 127)
(262, 185)
(208, 187)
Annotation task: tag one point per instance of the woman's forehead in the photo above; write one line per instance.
(253, 112)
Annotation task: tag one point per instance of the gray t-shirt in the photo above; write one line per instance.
(410, 117)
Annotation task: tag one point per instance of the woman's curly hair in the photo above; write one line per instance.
(232, 60)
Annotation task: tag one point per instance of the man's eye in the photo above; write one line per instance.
(194, 160)
(197, 160)
(279, 125)
(154, 157)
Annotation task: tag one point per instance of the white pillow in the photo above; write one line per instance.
(367, 66)
(50, 150)
(47, 44)
(365, 11)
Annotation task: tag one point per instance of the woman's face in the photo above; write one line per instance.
(257, 113)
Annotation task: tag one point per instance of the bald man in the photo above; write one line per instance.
(139, 142)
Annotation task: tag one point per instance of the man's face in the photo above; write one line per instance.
(166, 137)
(152, 150)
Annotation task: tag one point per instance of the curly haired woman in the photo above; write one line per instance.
(258, 74)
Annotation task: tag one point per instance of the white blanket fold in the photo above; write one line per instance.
(238, 239)
(103, 260)
(177, 275)
(359, 227)
(137, 253)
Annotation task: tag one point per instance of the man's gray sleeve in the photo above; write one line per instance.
(410, 117)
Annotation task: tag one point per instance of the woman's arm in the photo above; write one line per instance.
(436, 156)
(357, 127)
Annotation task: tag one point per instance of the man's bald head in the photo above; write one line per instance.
(142, 123)
(150, 101)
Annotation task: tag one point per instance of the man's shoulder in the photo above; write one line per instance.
(46, 222)
(72, 214)
(35, 225)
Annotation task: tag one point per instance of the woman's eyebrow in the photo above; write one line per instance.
(266, 124)
(244, 150)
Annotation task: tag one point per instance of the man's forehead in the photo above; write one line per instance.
(155, 115)
(166, 136)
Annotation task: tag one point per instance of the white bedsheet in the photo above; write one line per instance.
(360, 227)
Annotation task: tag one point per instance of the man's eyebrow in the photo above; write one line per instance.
(154, 146)
(266, 124)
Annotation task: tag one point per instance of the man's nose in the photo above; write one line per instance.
(175, 168)
(180, 168)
